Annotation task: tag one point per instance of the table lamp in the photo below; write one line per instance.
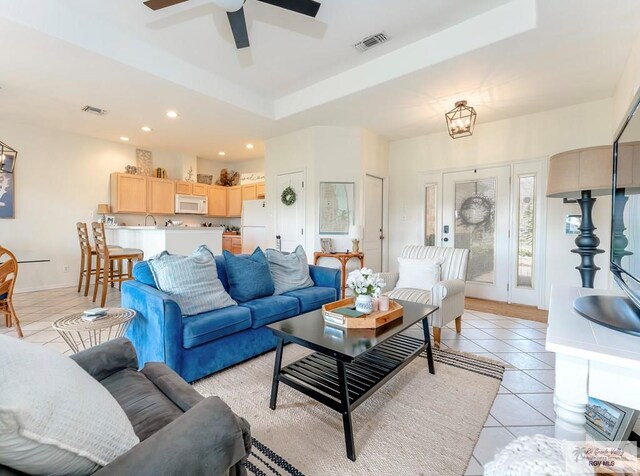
(103, 209)
(577, 176)
(355, 233)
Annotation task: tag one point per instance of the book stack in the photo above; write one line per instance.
(95, 313)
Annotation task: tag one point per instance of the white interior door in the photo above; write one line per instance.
(476, 211)
(290, 220)
(373, 222)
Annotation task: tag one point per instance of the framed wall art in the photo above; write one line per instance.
(337, 207)
(7, 195)
(608, 421)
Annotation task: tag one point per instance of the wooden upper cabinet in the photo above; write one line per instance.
(160, 196)
(260, 190)
(234, 201)
(249, 192)
(128, 193)
(184, 188)
(199, 189)
(217, 201)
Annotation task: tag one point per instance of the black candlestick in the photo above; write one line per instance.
(587, 242)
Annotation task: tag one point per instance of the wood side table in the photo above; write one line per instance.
(343, 258)
(80, 334)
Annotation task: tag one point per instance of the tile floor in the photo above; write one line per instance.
(523, 406)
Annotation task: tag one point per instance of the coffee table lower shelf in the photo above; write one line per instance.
(330, 380)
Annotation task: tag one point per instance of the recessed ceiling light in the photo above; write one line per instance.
(124, 139)
(172, 114)
(249, 146)
(146, 129)
(222, 153)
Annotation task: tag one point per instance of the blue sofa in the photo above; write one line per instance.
(197, 346)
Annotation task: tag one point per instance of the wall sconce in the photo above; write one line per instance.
(8, 158)
(461, 120)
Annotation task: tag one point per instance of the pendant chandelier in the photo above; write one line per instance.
(460, 120)
(8, 157)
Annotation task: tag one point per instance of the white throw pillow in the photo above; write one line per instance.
(419, 273)
(55, 418)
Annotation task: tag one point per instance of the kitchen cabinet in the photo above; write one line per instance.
(160, 196)
(217, 201)
(253, 191)
(232, 243)
(234, 201)
(128, 193)
(184, 188)
(199, 189)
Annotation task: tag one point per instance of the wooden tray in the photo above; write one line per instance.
(369, 321)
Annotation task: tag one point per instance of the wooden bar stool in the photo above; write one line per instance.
(109, 274)
(8, 276)
(87, 253)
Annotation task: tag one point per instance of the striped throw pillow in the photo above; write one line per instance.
(289, 271)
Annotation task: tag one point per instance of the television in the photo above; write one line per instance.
(619, 312)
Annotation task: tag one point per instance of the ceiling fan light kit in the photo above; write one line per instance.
(461, 120)
(235, 13)
(8, 156)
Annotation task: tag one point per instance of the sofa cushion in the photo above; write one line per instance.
(313, 298)
(191, 281)
(212, 325)
(54, 417)
(249, 276)
(289, 271)
(407, 294)
(142, 273)
(147, 408)
(271, 309)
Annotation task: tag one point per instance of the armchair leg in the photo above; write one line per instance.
(458, 324)
(436, 337)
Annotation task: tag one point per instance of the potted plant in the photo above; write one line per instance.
(366, 286)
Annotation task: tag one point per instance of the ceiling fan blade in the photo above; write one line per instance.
(239, 28)
(306, 7)
(158, 4)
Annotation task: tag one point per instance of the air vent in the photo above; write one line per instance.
(371, 41)
(94, 110)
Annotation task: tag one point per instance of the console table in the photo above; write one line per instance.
(343, 258)
(591, 360)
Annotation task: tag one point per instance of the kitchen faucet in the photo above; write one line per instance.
(154, 220)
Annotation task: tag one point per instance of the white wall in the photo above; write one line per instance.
(324, 154)
(627, 85)
(522, 138)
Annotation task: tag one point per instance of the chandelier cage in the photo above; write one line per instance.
(8, 156)
(461, 120)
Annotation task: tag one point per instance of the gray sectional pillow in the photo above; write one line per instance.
(289, 271)
(191, 281)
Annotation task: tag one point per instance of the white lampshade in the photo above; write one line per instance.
(355, 232)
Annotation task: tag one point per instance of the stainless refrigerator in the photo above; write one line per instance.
(254, 225)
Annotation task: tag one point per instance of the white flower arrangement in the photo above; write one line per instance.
(363, 282)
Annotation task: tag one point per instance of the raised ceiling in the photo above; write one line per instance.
(505, 57)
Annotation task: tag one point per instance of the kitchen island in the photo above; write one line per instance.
(179, 240)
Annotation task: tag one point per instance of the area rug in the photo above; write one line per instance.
(416, 424)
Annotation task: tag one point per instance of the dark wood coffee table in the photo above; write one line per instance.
(348, 365)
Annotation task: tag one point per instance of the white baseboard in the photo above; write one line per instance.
(45, 288)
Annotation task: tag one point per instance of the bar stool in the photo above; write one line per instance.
(87, 252)
(8, 276)
(105, 258)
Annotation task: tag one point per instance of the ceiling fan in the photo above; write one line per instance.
(235, 13)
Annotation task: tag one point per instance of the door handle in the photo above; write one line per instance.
(445, 239)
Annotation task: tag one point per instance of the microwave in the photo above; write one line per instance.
(191, 204)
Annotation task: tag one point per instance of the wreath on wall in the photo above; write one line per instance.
(288, 196)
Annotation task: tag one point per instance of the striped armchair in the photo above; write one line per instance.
(448, 294)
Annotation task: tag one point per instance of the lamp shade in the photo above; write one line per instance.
(355, 232)
(103, 208)
(573, 171)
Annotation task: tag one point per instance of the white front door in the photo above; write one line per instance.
(373, 222)
(476, 211)
(290, 219)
